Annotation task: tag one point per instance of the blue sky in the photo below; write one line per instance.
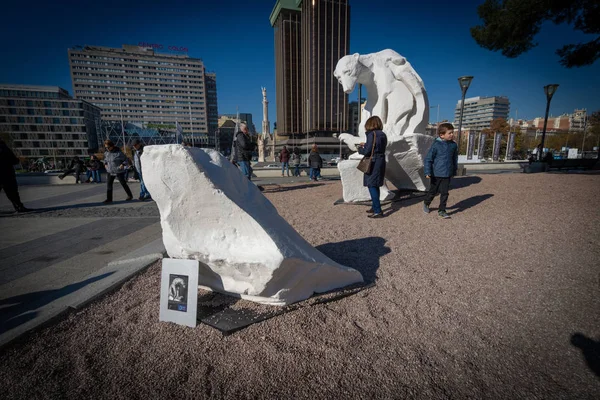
(235, 40)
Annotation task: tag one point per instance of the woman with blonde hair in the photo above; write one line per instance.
(374, 148)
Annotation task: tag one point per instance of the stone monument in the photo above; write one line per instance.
(396, 94)
(211, 213)
(263, 139)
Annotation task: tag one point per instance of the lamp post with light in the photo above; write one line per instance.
(549, 90)
(464, 82)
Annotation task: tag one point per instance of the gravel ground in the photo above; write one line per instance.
(501, 301)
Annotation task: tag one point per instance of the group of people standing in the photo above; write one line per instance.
(441, 165)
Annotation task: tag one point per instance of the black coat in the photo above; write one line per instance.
(7, 162)
(315, 160)
(376, 176)
(244, 146)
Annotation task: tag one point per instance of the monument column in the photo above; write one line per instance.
(266, 129)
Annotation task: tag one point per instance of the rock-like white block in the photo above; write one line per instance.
(405, 161)
(210, 212)
(353, 189)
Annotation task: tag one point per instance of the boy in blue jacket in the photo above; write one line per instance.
(440, 166)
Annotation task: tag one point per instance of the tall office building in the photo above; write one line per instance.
(479, 112)
(286, 21)
(147, 87)
(45, 122)
(310, 37)
(325, 39)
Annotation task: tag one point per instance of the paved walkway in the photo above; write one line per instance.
(71, 249)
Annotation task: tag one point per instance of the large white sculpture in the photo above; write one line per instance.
(396, 94)
(210, 212)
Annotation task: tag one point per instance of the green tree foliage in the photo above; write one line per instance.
(510, 26)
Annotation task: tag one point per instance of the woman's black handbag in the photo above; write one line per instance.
(365, 165)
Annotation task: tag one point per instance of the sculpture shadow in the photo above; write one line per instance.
(361, 254)
(590, 349)
(464, 181)
(21, 308)
(279, 189)
(77, 206)
(468, 203)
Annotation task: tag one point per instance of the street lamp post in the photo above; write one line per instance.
(464, 82)
(549, 90)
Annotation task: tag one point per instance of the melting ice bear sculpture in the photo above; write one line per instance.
(211, 213)
(396, 94)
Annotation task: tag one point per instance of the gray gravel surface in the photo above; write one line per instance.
(501, 301)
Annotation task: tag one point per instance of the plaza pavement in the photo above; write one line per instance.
(73, 248)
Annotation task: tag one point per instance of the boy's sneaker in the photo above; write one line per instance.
(425, 208)
(443, 214)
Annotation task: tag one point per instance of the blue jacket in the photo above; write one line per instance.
(376, 177)
(442, 159)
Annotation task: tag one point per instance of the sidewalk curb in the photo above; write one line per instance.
(108, 279)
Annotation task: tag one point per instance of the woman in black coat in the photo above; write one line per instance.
(374, 179)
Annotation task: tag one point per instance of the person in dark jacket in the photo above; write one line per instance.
(75, 168)
(244, 148)
(284, 159)
(93, 170)
(375, 178)
(8, 178)
(441, 164)
(296, 160)
(115, 162)
(315, 162)
(137, 161)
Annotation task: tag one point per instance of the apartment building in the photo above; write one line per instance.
(141, 85)
(479, 112)
(45, 121)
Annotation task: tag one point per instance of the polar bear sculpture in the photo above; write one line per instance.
(212, 213)
(396, 94)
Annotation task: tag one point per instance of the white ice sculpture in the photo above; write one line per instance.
(210, 212)
(396, 94)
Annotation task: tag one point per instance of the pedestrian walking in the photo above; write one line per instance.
(374, 149)
(244, 149)
(296, 159)
(441, 165)
(75, 167)
(137, 161)
(8, 177)
(315, 162)
(284, 159)
(115, 162)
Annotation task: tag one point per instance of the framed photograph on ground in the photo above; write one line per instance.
(179, 291)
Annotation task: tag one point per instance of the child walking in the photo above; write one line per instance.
(441, 164)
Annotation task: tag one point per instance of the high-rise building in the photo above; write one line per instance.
(325, 39)
(44, 121)
(353, 120)
(310, 38)
(286, 21)
(479, 112)
(147, 87)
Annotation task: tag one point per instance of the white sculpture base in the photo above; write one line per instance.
(211, 213)
(352, 183)
(405, 161)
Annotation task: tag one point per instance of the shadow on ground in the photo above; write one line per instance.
(19, 309)
(468, 203)
(464, 181)
(590, 349)
(272, 188)
(361, 254)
